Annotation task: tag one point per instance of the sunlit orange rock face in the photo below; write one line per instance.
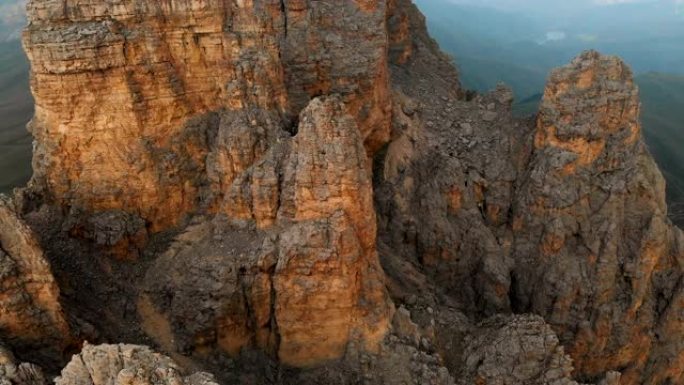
(164, 110)
(127, 92)
(31, 318)
(307, 282)
(610, 111)
(596, 255)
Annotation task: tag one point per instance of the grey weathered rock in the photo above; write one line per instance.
(13, 373)
(303, 280)
(564, 217)
(127, 364)
(595, 253)
(518, 350)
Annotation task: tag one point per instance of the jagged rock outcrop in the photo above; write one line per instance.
(442, 198)
(13, 373)
(595, 253)
(166, 110)
(303, 279)
(568, 220)
(256, 167)
(519, 350)
(128, 93)
(31, 317)
(126, 364)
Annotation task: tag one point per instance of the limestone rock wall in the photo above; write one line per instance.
(595, 253)
(123, 88)
(31, 317)
(300, 278)
(271, 176)
(149, 113)
(567, 220)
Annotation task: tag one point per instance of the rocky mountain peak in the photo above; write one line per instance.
(592, 223)
(302, 192)
(591, 108)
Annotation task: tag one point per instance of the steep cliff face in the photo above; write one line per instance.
(170, 109)
(442, 198)
(305, 280)
(254, 186)
(132, 96)
(594, 252)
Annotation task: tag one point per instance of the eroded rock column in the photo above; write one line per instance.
(295, 271)
(594, 252)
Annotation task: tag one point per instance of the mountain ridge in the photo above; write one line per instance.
(304, 193)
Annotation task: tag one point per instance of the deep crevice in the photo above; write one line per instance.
(250, 316)
(292, 126)
(273, 321)
(283, 9)
(516, 305)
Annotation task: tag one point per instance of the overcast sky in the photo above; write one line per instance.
(556, 5)
(556, 11)
(10, 11)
